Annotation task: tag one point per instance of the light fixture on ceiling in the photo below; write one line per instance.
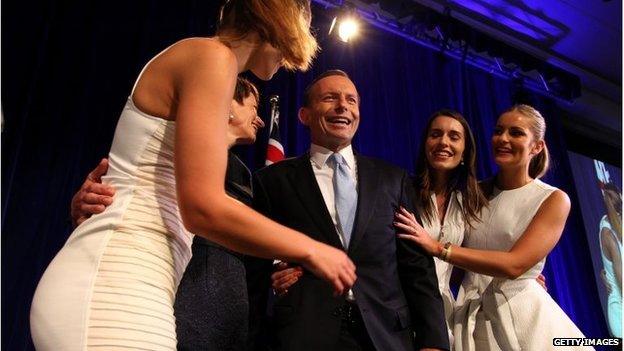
(346, 24)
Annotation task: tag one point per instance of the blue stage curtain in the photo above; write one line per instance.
(68, 69)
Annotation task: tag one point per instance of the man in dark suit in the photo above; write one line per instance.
(395, 303)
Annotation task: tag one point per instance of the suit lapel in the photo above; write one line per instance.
(306, 186)
(368, 185)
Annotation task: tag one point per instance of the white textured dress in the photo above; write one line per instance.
(112, 286)
(503, 314)
(451, 231)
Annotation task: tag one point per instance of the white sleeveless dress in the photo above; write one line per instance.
(112, 286)
(503, 314)
(451, 231)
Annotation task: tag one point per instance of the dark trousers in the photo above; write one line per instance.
(353, 334)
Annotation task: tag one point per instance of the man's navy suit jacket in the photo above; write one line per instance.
(396, 290)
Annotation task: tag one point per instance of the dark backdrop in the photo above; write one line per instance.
(68, 67)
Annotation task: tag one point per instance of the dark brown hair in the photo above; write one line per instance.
(463, 177)
(307, 93)
(285, 24)
(243, 89)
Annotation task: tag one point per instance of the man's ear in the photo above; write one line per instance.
(304, 116)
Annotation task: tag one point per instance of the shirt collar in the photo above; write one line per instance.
(319, 155)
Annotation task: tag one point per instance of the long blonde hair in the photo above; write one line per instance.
(285, 24)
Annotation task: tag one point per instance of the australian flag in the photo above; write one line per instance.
(275, 150)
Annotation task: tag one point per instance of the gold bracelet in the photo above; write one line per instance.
(442, 254)
(446, 252)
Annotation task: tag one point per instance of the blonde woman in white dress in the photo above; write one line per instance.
(501, 306)
(113, 284)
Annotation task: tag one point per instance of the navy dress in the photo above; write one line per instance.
(211, 307)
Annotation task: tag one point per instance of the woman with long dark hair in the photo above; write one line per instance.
(448, 197)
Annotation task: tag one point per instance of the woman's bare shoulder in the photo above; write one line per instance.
(179, 67)
(556, 204)
(559, 198)
(194, 54)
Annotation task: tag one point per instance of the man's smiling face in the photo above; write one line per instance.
(333, 114)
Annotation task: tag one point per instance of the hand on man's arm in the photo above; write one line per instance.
(93, 196)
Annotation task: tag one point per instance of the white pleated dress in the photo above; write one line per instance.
(503, 314)
(113, 284)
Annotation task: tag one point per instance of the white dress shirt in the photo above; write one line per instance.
(324, 174)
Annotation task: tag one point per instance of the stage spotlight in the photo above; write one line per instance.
(347, 29)
(345, 26)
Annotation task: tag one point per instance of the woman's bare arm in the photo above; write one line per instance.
(536, 242)
(204, 81)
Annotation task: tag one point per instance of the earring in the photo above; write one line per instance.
(231, 117)
(462, 162)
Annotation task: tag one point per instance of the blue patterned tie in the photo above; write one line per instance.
(345, 195)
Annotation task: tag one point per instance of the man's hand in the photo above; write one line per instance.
(93, 196)
(541, 280)
(284, 277)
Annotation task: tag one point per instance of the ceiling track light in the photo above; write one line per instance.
(454, 39)
(346, 24)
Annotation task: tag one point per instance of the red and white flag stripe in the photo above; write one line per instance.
(275, 152)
